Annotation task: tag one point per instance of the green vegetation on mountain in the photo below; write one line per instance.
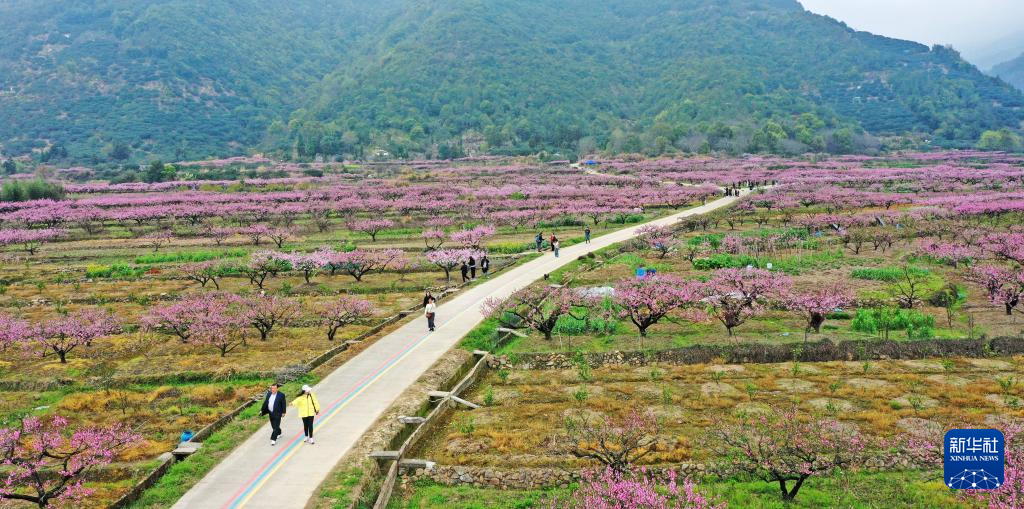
(1012, 71)
(115, 80)
(120, 79)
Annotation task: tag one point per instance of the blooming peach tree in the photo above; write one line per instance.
(646, 301)
(44, 461)
(735, 295)
(637, 489)
(342, 312)
(536, 307)
(785, 446)
(816, 304)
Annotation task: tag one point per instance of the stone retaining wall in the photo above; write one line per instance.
(541, 478)
(818, 351)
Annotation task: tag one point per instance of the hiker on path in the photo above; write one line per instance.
(308, 407)
(274, 405)
(465, 272)
(540, 241)
(430, 311)
(553, 239)
(586, 235)
(485, 265)
(554, 247)
(472, 268)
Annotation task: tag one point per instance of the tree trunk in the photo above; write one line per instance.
(816, 320)
(796, 488)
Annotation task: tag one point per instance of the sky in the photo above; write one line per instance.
(986, 32)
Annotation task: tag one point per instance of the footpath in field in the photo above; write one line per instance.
(353, 397)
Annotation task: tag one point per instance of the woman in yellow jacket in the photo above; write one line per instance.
(308, 407)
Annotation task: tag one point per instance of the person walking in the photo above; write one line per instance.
(586, 235)
(274, 405)
(308, 407)
(540, 241)
(554, 247)
(485, 265)
(472, 268)
(426, 297)
(430, 311)
(552, 241)
(465, 272)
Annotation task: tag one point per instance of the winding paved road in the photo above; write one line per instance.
(256, 475)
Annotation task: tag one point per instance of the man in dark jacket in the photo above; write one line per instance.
(275, 405)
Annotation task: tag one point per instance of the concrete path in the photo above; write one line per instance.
(354, 396)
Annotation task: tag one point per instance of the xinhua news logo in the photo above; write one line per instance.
(973, 459)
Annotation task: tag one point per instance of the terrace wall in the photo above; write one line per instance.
(818, 351)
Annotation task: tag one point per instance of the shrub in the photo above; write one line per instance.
(38, 189)
(887, 274)
(190, 256)
(573, 326)
(119, 270)
(510, 247)
(881, 321)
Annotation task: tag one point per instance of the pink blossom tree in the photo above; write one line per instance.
(371, 227)
(608, 489)
(448, 258)
(949, 252)
(13, 331)
(657, 238)
(257, 233)
(646, 301)
(362, 262)
(818, 303)
(309, 263)
(784, 446)
(30, 240)
(193, 314)
(474, 237)
(1011, 494)
(263, 265)
(616, 443)
(343, 312)
(159, 239)
(279, 236)
(537, 307)
(1006, 245)
(267, 312)
(64, 333)
(203, 273)
(45, 461)
(1004, 286)
(734, 295)
(434, 238)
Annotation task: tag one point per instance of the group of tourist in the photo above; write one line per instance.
(276, 406)
(468, 268)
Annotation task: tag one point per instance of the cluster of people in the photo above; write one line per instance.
(468, 268)
(553, 242)
(275, 405)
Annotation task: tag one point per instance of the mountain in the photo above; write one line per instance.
(1012, 71)
(116, 79)
(173, 77)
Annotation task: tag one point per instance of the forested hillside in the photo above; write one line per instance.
(116, 80)
(122, 78)
(1012, 71)
(633, 75)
